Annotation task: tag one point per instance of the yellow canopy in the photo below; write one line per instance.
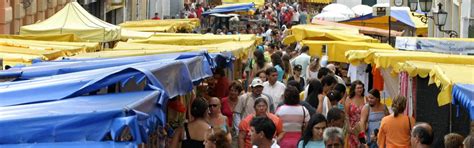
(14, 58)
(329, 33)
(386, 59)
(336, 49)
(169, 25)
(45, 37)
(238, 49)
(444, 76)
(12, 55)
(195, 39)
(73, 19)
(319, 1)
(258, 3)
(73, 47)
(125, 53)
(130, 34)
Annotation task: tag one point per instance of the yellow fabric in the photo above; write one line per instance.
(289, 39)
(130, 34)
(13, 59)
(239, 49)
(329, 33)
(125, 53)
(336, 49)
(415, 68)
(319, 1)
(169, 25)
(43, 54)
(226, 3)
(445, 76)
(73, 47)
(385, 59)
(46, 37)
(73, 19)
(195, 40)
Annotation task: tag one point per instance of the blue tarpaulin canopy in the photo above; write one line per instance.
(231, 8)
(463, 94)
(85, 118)
(42, 69)
(173, 76)
(81, 144)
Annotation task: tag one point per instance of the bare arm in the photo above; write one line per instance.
(177, 138)
(363, 118)
(242, 139)
(320, 104)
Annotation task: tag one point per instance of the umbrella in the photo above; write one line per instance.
(361, 10)
(339, 8)
(331, 16)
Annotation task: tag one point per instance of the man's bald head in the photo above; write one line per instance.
(423, 132)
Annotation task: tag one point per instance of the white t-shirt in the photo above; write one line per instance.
(275, 91)
(274, 144)
(295, 17)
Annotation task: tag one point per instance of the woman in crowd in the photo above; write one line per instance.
(262, 75)
(286, 65)
(217, 138)
(371, 116)
(215, 114)
(328, 82)
(312, 70)
(315, 93)
(353, 108)
(228, 103)
(261, 109)
(294, 117)
(191, 134)
(395, 129)
(313, 135)
(278, 64)
(297, 76)
(341, 88)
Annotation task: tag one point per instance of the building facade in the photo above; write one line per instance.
(460, 18)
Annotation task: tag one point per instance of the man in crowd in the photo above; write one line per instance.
(262, 132)
(333, 137)
(421, 135)
(303, 59)
(246, 102)
(273, 87)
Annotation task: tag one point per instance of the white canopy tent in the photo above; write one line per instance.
(339, 8)
(331, 16)
(361, 10)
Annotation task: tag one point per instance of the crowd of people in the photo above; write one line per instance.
(287, 98)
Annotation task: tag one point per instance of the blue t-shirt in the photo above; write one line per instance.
(280, 72)
(315, 144)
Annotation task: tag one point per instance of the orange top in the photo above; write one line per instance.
(377, 79)
(244, 126)
(395, 131)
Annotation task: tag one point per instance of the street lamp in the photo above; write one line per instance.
(413, 4)
(440, 18)
(425, 6)
(398, 3)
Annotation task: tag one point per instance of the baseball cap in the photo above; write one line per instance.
(298, 67)
(256, 82)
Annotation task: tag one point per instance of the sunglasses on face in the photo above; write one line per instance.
(213, 105)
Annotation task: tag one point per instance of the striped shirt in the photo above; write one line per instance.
(292, 117)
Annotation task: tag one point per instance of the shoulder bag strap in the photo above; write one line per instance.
(304, 117)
